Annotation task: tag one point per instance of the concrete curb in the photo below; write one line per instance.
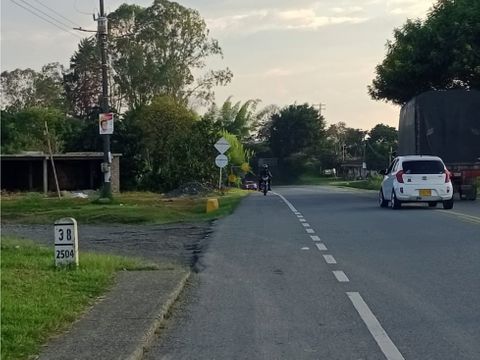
(159, 320)
(123, 324)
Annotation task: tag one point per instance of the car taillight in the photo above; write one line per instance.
(447, 176)
(400, 176)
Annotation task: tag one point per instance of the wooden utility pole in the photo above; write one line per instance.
(47, 134)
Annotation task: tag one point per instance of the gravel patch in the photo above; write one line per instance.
(181, 243)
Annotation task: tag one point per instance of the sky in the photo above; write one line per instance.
(280, 51)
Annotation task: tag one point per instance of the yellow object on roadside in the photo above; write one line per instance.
(212, 204)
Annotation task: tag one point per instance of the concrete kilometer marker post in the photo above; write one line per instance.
(66, 242)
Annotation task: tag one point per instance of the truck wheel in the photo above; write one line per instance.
(448, 204)
(472, 195)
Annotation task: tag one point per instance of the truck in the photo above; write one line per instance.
(446, 124)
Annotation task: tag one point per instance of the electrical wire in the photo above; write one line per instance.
(56, 12)
(44, 19)
(44, 13)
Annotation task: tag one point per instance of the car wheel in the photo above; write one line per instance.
(381, 199)
(394, 202)
(448, 204)
(432, 204)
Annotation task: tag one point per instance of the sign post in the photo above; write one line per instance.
(221, 160)
(66, 242)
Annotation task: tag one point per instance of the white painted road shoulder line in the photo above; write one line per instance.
(381, 337)
(329, 259)
(321, 247)
(340, 275)
(300, 216)
(306, 224)
(315, 237)
(310, 231)
(302, 220)
(289, 204)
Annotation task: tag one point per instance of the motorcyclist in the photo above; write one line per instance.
(265, 172)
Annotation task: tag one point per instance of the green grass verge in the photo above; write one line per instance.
(373, 183)
(39, 300)
(127, 208)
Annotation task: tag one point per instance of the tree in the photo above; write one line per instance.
(83, 82)
(22, 89)
(237, 119)
(24, 130)
(442, 52)
(164, 145)
(381, 143)
(295, 129)
(159, 49)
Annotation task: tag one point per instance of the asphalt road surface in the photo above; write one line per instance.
(324, 273)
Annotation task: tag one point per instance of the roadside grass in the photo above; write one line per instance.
(311, 179)
(39, 300)
(372, 183)
(127, 208)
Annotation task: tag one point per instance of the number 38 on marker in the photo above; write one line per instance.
(66, 241)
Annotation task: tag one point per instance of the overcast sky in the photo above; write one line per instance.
(280, 51)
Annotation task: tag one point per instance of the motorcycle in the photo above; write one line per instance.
(264, 185)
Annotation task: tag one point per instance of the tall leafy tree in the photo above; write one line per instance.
(164, 145)
(296, 128)
(83, 82)
(159, 50)
(441, 52)
(25, 88)
(382, 142)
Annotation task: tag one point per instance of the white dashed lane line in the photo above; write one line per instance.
(340, 275)
(386, 345)
(379, 334)
(329, 259)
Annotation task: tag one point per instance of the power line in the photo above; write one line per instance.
(44, 13)
(41, 17)
(56, 12)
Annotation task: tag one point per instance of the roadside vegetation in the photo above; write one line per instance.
(127, 208)
(39, 300)
(372, 183)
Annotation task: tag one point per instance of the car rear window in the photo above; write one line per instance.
(423, 167)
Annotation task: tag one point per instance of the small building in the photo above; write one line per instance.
(353, 169)
(32, 171)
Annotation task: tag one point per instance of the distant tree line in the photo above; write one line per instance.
(156, 54)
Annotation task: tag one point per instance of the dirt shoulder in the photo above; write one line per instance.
(180, 244)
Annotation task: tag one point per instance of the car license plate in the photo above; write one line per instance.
(425, 192)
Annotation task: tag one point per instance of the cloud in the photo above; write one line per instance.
(410, 8)
(275, 19)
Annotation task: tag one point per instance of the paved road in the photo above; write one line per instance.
(323, 273)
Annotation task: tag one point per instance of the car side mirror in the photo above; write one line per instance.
(383, 172)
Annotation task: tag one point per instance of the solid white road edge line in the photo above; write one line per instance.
(329, 259)
(340, 275)
(321, 247)
(302, 220)
(289, 204)
(383, 340)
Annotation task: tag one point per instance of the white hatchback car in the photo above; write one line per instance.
(416, 178)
